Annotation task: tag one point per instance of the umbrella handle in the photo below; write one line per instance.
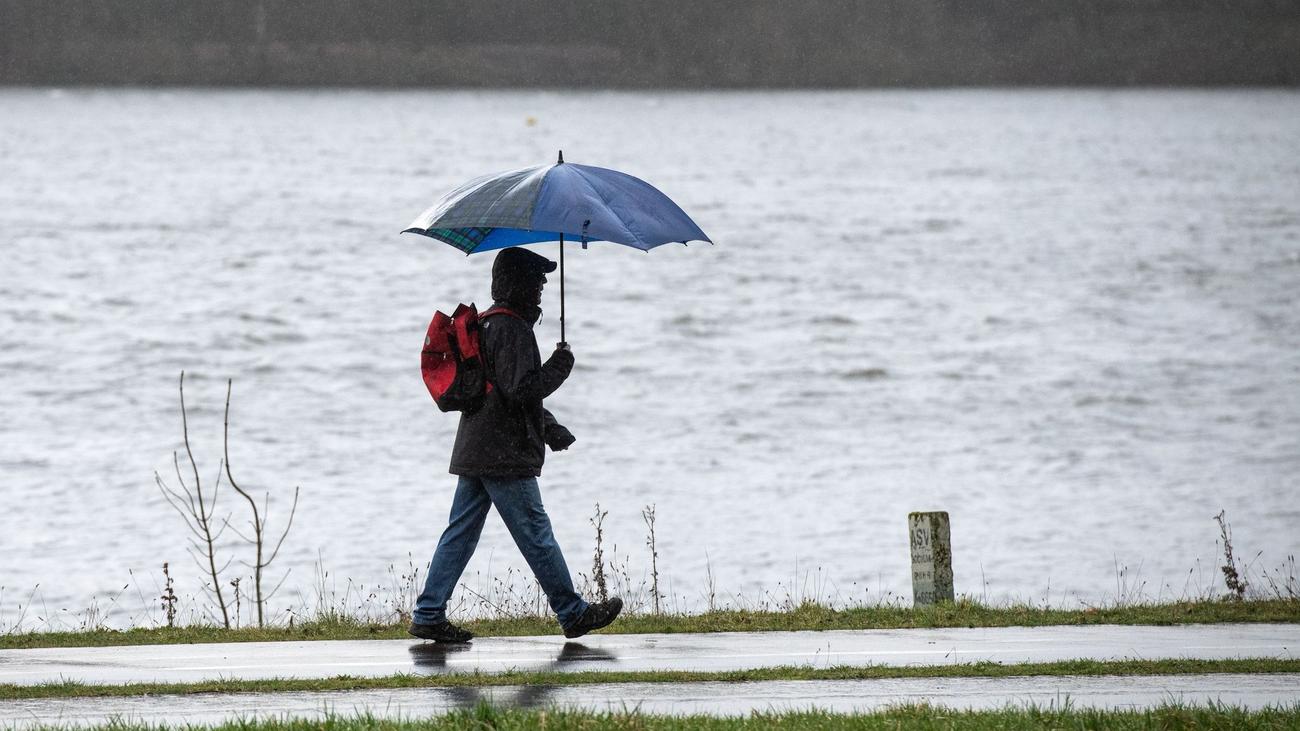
(562, 340)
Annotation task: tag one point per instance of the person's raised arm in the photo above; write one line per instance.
(512, 363)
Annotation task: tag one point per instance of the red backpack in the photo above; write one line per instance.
(450, 362)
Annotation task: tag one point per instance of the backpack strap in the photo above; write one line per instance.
(499, 311)
(489, 313)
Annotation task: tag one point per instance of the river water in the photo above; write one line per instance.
(1069, 318)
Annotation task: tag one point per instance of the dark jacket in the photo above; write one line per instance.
(508, 434)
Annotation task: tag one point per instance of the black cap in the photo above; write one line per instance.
(520, 261)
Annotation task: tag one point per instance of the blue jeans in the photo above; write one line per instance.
(519, 503)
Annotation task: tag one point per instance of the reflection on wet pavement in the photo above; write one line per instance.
(430, 658)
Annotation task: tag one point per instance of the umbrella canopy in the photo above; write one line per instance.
(550, 202)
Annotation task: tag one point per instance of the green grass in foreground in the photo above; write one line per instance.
(804, 617)
(520, 677)
(907, 717)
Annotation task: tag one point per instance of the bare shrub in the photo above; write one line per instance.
(168, 597)
(1235, 582)
(598, 558)
(648, 515)
(198, 512)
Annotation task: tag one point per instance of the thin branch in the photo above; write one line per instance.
(292, 511)
(177, 506)
(225, 435)
(176, 463)
(231, 526)
(485, 600)
(180, 511)
(216, 487)
(162, 485)
(185, 432)
(277, 586)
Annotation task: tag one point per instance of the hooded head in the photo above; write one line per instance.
(518, 276)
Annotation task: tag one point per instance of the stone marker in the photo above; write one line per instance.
(931, 558)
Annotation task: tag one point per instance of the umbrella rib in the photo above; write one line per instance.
(639, 238)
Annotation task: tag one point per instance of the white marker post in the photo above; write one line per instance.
(931, 558)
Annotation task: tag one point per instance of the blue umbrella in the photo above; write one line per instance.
(550, 202)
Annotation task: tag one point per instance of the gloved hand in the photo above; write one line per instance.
(562, 357)
(558, 438)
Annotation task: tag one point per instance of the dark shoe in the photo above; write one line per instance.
(597, 615)
(442, 632)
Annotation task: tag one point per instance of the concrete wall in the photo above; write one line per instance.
(637, 44)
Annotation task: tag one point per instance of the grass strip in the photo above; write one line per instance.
(1090, 668)
(920, 717)
(804, 617)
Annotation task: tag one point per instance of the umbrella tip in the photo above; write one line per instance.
(561, 160)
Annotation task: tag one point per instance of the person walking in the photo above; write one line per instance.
(498, 456)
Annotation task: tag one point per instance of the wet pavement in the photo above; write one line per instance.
(701, 652)
(727, 699)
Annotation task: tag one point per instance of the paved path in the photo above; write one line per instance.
(730, 699)
(707, 652)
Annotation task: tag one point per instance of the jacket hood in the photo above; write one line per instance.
(513, 290)
(516, 274)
